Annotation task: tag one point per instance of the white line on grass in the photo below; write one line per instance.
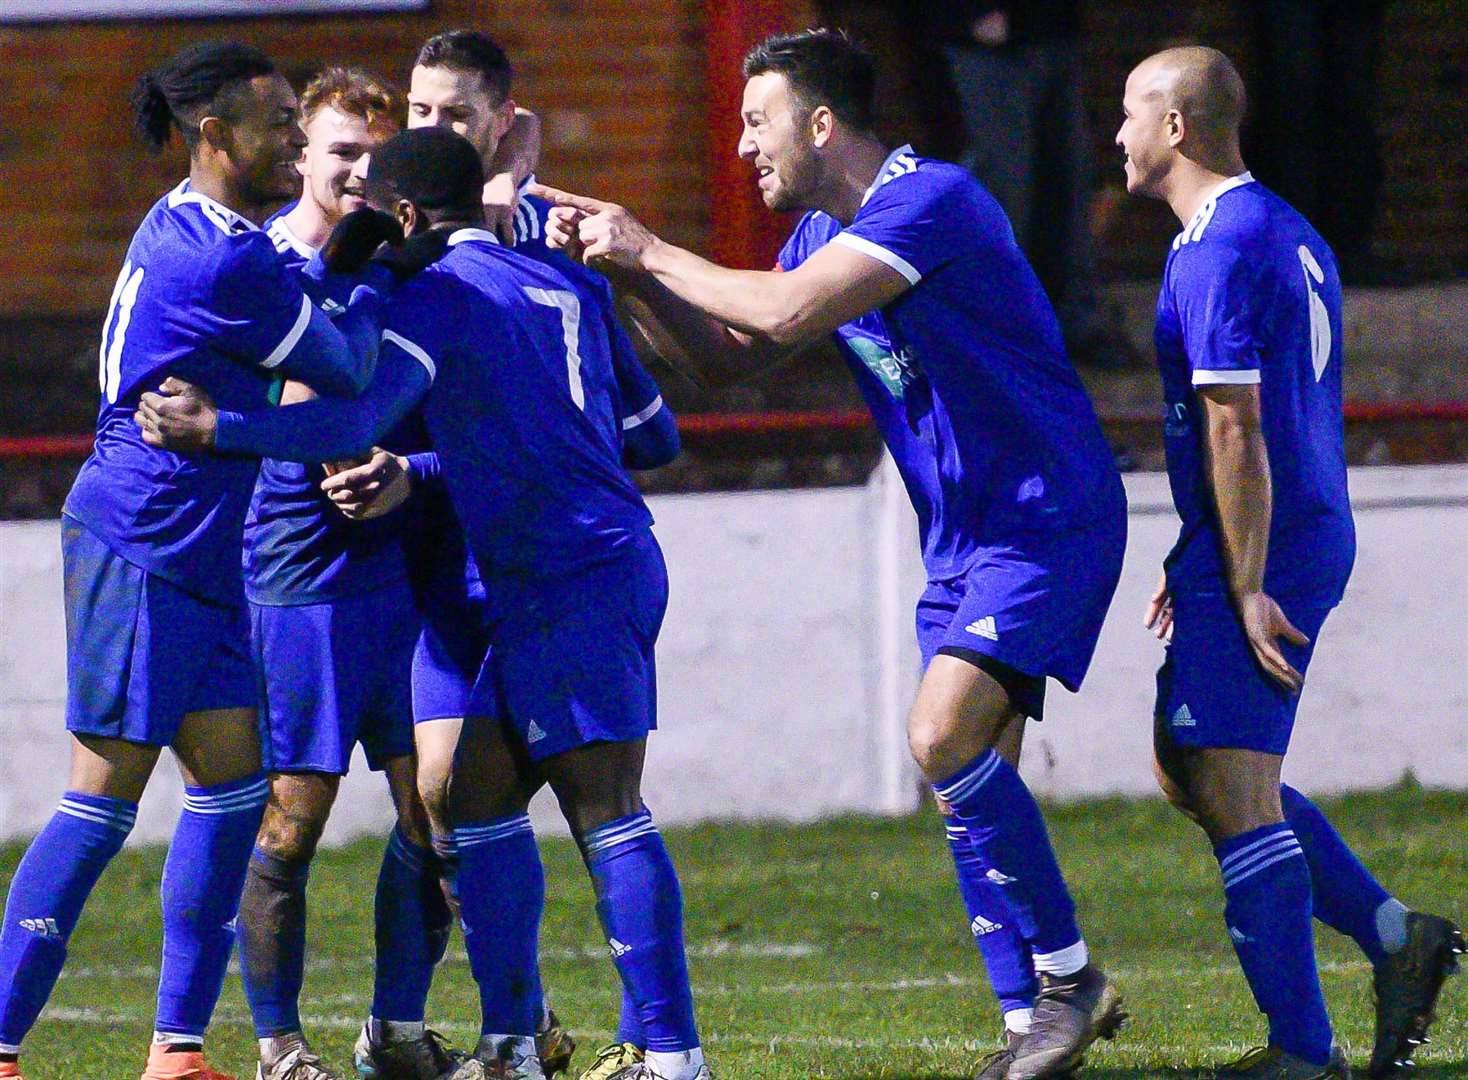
(102, 1018)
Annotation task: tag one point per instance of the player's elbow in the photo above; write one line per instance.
(786, 326)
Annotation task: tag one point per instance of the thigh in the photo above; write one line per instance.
(492, 776)
(1211, 692)
(217, 746)
(110, 767)
(960, 711)
(597, 784)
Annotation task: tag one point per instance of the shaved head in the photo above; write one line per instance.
(1183, 110)
(1200, 83)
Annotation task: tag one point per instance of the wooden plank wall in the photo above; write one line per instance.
(621, 86)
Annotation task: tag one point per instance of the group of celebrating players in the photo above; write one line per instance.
(362, 474)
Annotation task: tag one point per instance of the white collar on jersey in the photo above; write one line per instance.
(1245, 177)
(216, 211)
(1193, 230)
(279, 230)
(888, 170)
(459, 236)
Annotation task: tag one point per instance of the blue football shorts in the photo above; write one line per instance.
(141, 652)
(1212, 692)
(450, 648)
(1027, 610)
(335, 674)
(571, 659)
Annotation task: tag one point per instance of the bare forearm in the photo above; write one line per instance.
(756, 302)
(691, 340)
(1239, 471)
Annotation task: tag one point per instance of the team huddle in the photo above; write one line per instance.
(363, 475)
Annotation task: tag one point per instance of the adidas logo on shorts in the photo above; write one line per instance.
(618, 948)
(982, 926)
(984, 628)
(1183, 717)
(534, 733)
(45, 928)
(999, 877)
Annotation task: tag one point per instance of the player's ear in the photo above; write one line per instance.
(214, 133)
(1174, 126)
(504, 118)
(822, 125)
(408, 217)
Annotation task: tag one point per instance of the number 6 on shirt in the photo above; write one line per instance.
(570, 308)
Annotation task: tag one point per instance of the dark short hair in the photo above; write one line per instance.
(434, 169)
(823, 67)
(179, 92)
(469, 50)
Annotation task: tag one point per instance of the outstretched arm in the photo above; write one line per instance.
(746, 319)
(181, 417)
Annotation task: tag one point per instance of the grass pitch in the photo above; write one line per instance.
(835, 950)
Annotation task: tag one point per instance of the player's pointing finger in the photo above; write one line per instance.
(565, 198)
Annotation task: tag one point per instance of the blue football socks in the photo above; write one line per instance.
(50, 886)
(1009, 838)
(994, 927)
(203, 877)
(501, 898)
(1268, 911)
(412, 922)
(272, 935)
(1347, 898)
(641, 908)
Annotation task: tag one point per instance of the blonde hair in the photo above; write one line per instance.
(355, 92)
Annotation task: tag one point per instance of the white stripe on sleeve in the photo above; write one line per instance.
(641, 417)
(881, 254)
(413, 350)
(1226, 378)
(287, 343)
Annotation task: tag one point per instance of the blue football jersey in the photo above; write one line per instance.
(1251, 295)
(965, 373)
(298, 548)
(202, 295)
(519, 397)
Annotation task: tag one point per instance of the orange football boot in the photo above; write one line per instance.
(178, 1065)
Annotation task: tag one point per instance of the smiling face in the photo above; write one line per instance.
(1149, 133)
(263, 139)
(336, 142)
(460, 101)
(776, 140)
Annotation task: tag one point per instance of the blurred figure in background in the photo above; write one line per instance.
(1313, 132)
(1015, 67)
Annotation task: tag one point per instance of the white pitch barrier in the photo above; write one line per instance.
(788, 659)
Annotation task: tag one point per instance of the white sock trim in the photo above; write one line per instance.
(10, 1048)
(1019, 1020)
(679, 1065)
(1063, 962)
(1391, 924)
(173, 1038)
